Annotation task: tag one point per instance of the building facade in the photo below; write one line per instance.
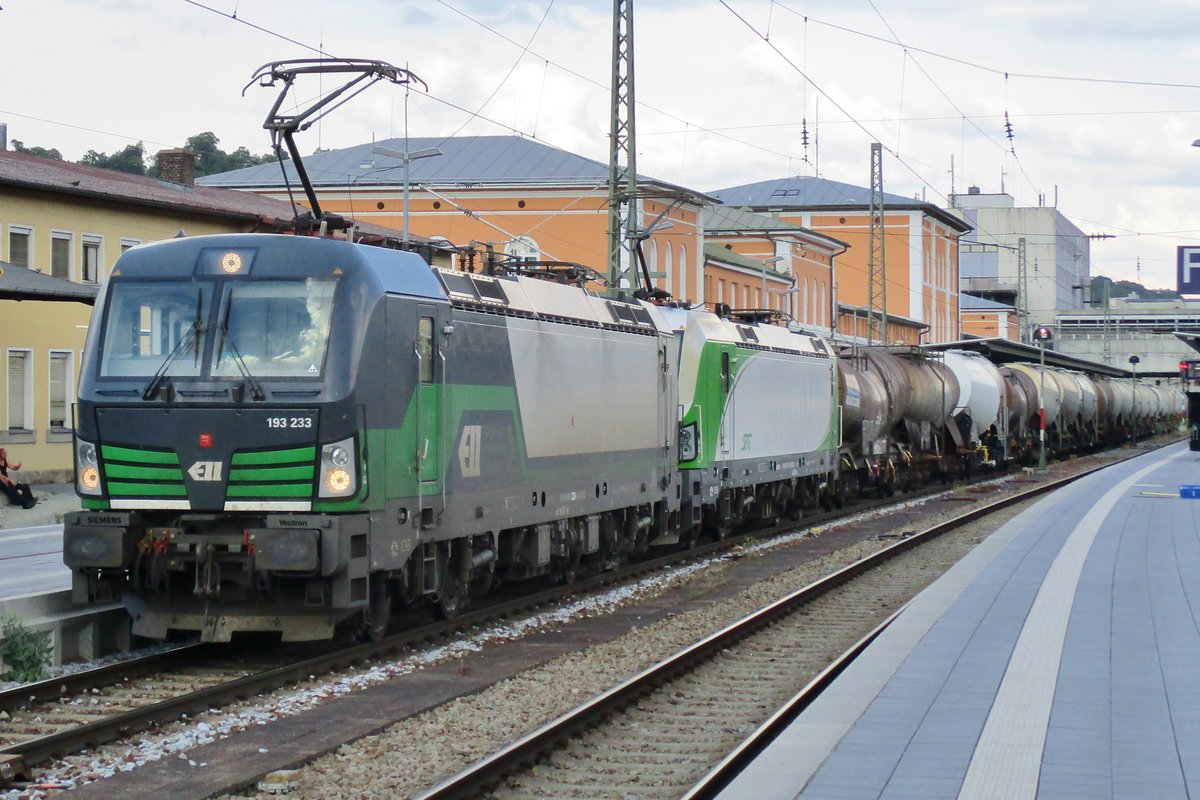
(524, 199)
(1057, 255)
(920, 252)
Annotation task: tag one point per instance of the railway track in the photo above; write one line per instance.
(685, 726)
(54, 718)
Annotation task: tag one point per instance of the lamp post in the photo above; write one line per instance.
(1041, 335)
(772, 260)
(407, 158)
(1133, 362)
(789, 294)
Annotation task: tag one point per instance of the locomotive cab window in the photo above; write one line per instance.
(425, 348)
(279, 328)
(147, 321)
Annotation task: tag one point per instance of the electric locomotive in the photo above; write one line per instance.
(292, 434)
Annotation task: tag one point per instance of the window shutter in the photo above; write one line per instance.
(58, 390)
(16, 391)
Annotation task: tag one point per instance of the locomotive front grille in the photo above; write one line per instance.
(136, 472)
(272, 474)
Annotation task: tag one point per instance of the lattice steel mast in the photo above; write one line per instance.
(876, 267)
(622, 156)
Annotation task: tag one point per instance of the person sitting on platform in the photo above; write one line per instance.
(18, 493)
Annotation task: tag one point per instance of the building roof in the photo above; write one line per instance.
(731, 220)
(718, 252)
(20, 283)
(805, 193)
(63, 177)
(969, 302)
(465, 161)
(1002, 351)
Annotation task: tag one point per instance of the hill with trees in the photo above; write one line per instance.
(210, 158)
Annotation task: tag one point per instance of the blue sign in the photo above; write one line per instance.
(1187, 270)
(1189, 491)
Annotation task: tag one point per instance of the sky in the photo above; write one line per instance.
(1102, 97)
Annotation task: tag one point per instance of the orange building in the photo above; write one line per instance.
(524, 199)
(988, 319)
(920, 256)
(757, 261)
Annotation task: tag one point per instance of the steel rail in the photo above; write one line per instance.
(110, 674)
(489, 771)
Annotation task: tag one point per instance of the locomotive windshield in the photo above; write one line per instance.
(279, 328)
(276, 328)
(146, 322)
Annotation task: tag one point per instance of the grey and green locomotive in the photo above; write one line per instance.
(291, 434)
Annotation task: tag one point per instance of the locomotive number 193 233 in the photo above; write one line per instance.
(289, 422)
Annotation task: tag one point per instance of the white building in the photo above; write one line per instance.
(1057, 254)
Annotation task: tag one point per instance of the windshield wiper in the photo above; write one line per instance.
(193, 335)
(256, 391)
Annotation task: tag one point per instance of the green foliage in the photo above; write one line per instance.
(41, 152)
(26, 653)
(1115, 289)
(132, 159)
(211, 159)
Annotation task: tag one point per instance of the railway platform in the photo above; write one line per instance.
(1059, 659)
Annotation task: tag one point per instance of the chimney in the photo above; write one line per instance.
(177, 166)
(3, 136)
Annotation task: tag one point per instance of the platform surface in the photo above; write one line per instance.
(1059, 659)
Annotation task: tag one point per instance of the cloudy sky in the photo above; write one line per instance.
(1103, 97)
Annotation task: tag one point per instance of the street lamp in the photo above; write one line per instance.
(407, 158)
(772, 260)
(790, 295)
(1133, 362)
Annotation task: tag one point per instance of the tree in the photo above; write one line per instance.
(40, 152)
(211, 159)
(132, 159)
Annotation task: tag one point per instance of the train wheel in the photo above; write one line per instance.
(378, 616)
(452, 599)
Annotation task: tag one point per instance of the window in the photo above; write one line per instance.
(60, 387)
(682, 272)
(127, 243)
(91, 258)
(20, 390)
(19, 250)
(425, 348)
(60, 254)
(667, 267)
(521, 248)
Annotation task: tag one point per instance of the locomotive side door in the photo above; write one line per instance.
(430, 387)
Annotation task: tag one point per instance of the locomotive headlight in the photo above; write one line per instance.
(339, 476)
(339, 456)
(687, 442)
(87, 470)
